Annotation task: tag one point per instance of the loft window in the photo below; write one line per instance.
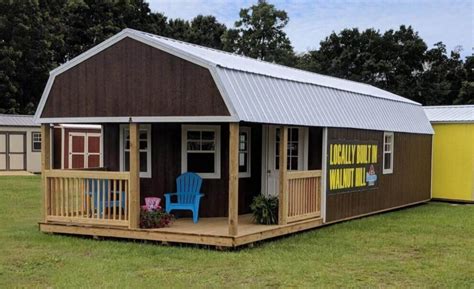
(388, 152)
(244, 152)
(36, 141)
(144, 148)
(200, 150)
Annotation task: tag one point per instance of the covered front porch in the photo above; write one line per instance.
(113, 210)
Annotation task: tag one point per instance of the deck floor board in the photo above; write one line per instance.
(208, 231)
(215, 226)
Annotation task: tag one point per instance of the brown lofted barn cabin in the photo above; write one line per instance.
(330, 149)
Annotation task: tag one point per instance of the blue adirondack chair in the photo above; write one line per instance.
(188, 195)
(98, 191)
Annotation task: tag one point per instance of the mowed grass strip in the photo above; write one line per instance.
(430, 245)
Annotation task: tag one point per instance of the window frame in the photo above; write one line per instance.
(33, 133)
(217, 149)
(248, 172)
(391, 151)
(143, 127)
(303, 148)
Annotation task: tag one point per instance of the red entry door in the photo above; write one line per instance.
(84, 150)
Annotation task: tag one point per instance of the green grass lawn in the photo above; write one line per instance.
(426, 246)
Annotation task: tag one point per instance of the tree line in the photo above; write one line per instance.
(38, 35)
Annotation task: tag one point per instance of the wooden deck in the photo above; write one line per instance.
(107, 203)
(208, 231)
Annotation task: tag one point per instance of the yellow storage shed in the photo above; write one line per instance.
(453, 152)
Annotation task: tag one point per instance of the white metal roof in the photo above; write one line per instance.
(258, 91)
(259, 98)
(450, 113)
(17, 120)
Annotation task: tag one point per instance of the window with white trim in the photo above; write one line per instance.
(294, 151)
(388, 152)
(244, 152)
(200, 150)
(36, 141)
(144, 148)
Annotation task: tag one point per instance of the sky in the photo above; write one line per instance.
(451, 22)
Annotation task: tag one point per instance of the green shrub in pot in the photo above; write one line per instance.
(265, 210)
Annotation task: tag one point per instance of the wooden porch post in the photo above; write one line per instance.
(283, 182)
(233, 178)
(134, 198)
(45, 165)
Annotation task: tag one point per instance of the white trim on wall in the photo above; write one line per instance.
(248, 131)
(101, 147)
(33, 134)
(305, 131)
(138, 119)
(62, 147)
(71, 153)
(264, 177)
(143, 127)
(392, 146)
(431, 173)
(217, 149)
(324, 174)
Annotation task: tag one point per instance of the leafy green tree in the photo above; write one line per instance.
(404, 49)
(442, 77)
(179, 29)
(30, 41)
(207, 31)
(91, 22)
(9, 85)
(38, 35)
(259, 34)
(392, 60)
(349, 54)
(466, 92)
(397, 60)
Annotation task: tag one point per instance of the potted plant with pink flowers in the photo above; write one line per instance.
(152, 215)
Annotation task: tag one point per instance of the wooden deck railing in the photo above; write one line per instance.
(304, 195)
(87, 197)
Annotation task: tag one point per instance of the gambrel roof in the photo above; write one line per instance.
(259, 91)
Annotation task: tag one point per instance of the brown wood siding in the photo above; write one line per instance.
(166, 166)
(409, 183)
(133, 79)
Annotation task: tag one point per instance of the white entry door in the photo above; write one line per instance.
(297, 155)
